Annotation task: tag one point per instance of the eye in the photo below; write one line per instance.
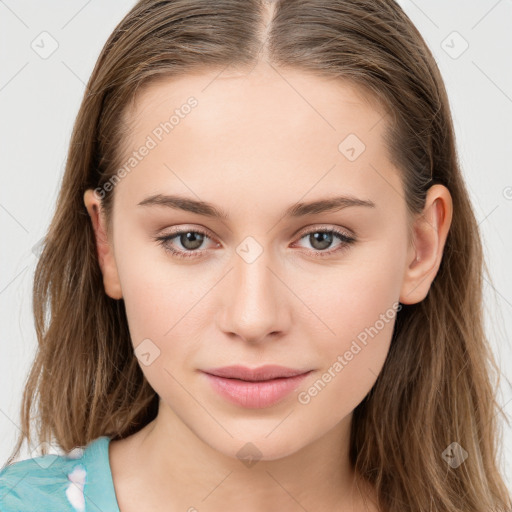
(322, 239)
(189, 239)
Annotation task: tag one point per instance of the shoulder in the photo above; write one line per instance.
(48, 482)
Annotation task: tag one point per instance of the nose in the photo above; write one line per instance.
(255, 302)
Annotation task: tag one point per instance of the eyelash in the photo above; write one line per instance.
(163, 241)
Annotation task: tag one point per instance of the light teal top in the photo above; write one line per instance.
(80, 481)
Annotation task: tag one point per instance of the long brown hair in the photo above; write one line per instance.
(437, 384)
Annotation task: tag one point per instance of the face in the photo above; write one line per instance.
(271, 281)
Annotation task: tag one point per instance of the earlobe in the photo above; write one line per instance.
(430, 231)
(104, 249)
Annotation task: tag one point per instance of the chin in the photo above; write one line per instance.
(255, 446)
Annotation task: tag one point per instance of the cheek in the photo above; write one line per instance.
(165, 307)
(155, 290)
(163, 324)
(353, 295)
(356, 307)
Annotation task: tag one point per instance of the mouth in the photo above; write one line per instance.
(263, 373)
(255, 388)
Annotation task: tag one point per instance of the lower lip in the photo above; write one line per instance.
(255, 395)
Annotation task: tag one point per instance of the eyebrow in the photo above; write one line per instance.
(296, 210)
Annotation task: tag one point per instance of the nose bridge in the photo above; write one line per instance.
(254, 306)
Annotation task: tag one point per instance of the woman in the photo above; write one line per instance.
(264, 274)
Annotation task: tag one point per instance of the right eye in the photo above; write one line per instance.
(189, 239)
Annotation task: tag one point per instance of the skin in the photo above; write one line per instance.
(254, 146)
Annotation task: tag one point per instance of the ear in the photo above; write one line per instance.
(104, 247)
(429, 232)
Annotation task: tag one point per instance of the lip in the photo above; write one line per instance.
(255, 388)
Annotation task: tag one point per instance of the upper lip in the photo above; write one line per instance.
(266, 372)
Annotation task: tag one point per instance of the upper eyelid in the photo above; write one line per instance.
(303, 231)
(326, 227)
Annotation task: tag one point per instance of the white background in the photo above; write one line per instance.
(39, 99)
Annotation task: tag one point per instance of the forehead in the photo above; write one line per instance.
(292, 98)
(267, 126)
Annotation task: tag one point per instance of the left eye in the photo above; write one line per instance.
(191, 240)
(322, 239)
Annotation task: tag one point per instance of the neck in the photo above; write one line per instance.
(183, 470)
